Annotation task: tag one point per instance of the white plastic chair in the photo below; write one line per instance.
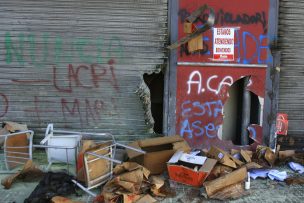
(61, 146)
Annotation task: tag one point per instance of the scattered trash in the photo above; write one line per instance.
(131, 184)
(265, 155)
(29, 172)
(52, 185)
(272, 174)
(294, 180)
(222, 156)
(159, 151)
(235, 177)
(190, 169)
(13, 127)
(247, 183)
(220, 174)
(219, 170)
(296, 167)
(231, 192)
(262, 173)
(277, 175)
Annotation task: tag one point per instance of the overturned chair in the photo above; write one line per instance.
(95, 164)
(17, 149)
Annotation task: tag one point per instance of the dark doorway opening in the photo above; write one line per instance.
(233, 110)
(155, 82)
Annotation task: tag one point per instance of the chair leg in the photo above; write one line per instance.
(49, 166)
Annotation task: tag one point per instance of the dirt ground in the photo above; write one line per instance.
(262, 190)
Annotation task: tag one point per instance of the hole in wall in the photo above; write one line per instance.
(155, 82)
(232, 123)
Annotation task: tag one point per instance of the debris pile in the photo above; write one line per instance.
(152, 165)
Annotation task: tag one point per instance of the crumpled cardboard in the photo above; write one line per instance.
(129, 184)
(29, 171)
(218, 171)
(14, 127)
(265, 153)
(158, 152)
(246, 156)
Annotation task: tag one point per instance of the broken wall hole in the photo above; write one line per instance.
(155, 82)
(233, 112)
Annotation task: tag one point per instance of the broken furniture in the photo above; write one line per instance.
(17, 148)
(98, 162)
(61, 146)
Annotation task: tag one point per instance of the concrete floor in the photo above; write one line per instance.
(261, 191)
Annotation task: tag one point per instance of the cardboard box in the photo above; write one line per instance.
(189, 169)
(158, 152)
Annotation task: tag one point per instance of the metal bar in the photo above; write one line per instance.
(21, 147)
(132, 148)
(171, 76)
(222, 64)
(55, 147)
(104, 157)
(12, 152)
(245, 113)
(16, 157)
(84, 189)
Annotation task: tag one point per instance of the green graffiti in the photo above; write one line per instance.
(57, 50)
(45, 37)
(99, 45)
(81, 43)
(11, 50)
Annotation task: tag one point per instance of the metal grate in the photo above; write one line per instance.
(291, 44)
(79, 64)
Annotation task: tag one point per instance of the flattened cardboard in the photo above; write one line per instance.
(196, 44)
(222, 156)
(158, 152)
(222, 182)
(246, 156)
(190, 176)
(188, 28)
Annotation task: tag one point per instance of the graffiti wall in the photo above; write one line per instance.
(203, 91)
(80, 65)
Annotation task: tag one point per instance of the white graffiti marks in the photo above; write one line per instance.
(193, 81)
(228, 80)
(213, 83)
